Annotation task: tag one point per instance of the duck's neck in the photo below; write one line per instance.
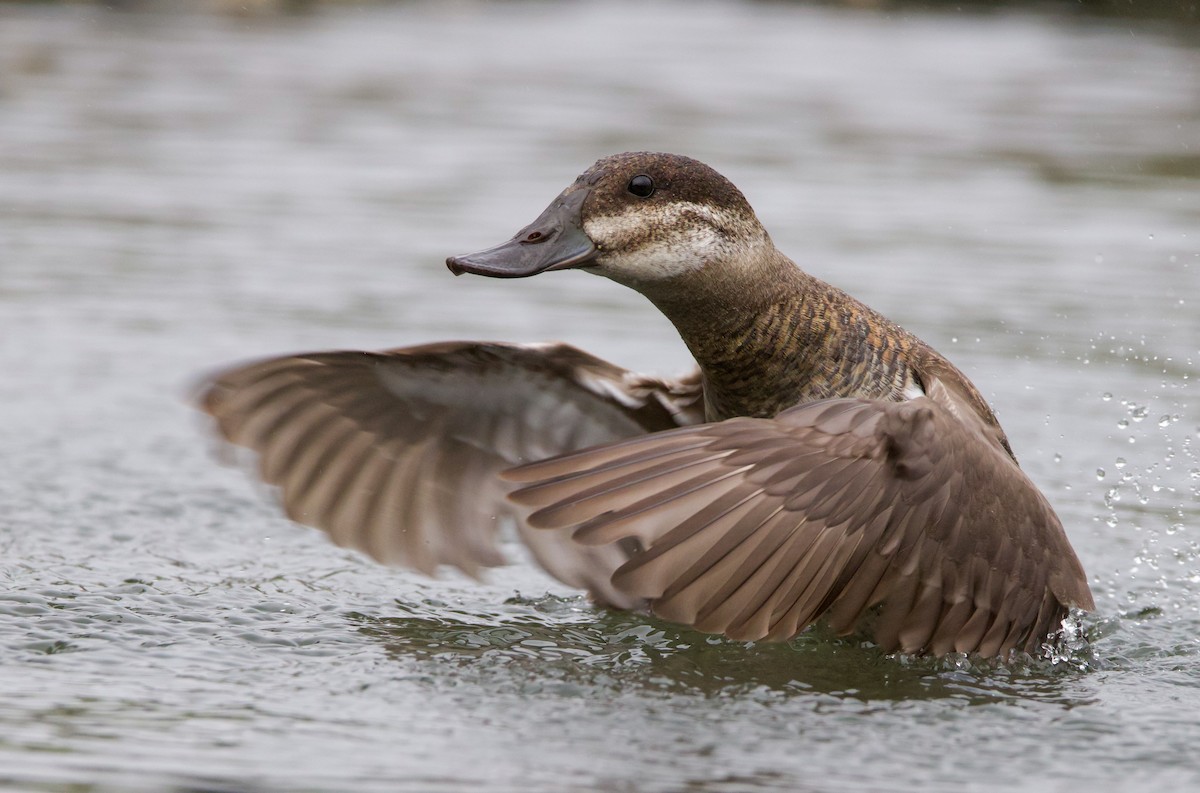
(768, 336)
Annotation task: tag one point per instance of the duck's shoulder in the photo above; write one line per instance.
(920, 368)
(946, 384)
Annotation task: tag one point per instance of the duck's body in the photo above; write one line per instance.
(839, 467)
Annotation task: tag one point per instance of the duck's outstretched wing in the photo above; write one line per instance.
(397, 453)
(755, 528)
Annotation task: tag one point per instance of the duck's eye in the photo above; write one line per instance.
(641, 185)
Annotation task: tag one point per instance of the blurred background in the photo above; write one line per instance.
(184, 185)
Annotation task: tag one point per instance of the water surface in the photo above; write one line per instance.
(178, 192)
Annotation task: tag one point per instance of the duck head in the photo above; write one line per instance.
(637, 218)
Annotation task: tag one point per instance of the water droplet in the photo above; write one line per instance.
(1057, 458)
(1100, 473)
(1139, 412)
(1123, 423)
(1106, 396)
(1120, 463)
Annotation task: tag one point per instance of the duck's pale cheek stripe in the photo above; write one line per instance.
(665, 242)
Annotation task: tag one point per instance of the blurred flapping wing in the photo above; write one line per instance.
(397, 453)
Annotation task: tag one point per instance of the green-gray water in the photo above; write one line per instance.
(178, 192)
